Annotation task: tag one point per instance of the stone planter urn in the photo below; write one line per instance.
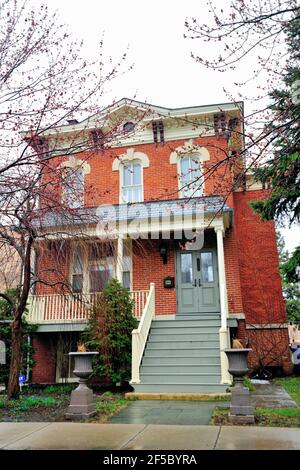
(82, 403)
(241, 412)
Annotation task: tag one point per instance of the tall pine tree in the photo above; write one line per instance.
(282, 171)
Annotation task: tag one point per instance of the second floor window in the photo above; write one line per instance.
(73, 187)
(132, 186)
(191, 180)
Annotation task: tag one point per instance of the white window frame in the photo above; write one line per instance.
(86, 263)
(78, 195)
(193, 149)
(141, 185)
(131, 156)
(74, 164)
(187, 186)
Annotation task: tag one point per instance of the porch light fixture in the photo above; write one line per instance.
(163, 250)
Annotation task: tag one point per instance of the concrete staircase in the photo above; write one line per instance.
(182, 355)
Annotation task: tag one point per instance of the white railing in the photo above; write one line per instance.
(139, 298)
(140, 335)
(60, 308)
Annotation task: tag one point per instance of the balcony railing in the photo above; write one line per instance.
(60, 308)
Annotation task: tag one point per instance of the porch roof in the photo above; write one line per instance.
(138, 212)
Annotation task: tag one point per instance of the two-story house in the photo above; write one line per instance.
(164, 207)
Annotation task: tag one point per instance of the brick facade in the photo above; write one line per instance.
(258, 263)
(45, 358)
(251, 259)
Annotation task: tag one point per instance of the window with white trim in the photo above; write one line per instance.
(77, 271)
(127, 263)
(132, 186)
(73, 187)
(190, 178)
(101, 266)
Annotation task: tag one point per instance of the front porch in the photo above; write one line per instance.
(51, 312)
(175, 268)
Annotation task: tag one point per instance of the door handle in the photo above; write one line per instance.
(195, 284)
(198, 264)
(199, 283)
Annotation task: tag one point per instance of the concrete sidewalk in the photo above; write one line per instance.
(85, 436)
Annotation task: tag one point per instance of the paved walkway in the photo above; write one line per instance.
(166, 412)
(85, 436)
(271, 396)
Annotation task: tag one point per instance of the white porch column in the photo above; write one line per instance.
(223, 332)
(119, 267)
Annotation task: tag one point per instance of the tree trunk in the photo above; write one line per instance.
(13, 390)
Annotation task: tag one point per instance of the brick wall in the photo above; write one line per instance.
(160, 178)
(270, 348)
(148, 267)
(234, 293)
(53, 267)
(45, 357)
(258, 263)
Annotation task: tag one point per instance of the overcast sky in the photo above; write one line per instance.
(164, 72)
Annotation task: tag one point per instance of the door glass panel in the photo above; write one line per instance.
(186, 268)
(207, 269)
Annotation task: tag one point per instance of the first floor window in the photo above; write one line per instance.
(132, 187)
(127, 264)
(77, 271)
(99, 275)
(100, 266)
(191, 180)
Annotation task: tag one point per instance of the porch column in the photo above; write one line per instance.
(223, 332)
(119, 267)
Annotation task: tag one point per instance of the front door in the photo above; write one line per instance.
(197, 281)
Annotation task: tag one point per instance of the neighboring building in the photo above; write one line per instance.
(162, 175)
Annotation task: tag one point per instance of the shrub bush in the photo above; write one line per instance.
(109, 332)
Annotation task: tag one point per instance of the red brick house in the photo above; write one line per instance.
(174, 225)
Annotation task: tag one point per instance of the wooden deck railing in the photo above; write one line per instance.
(68, 308)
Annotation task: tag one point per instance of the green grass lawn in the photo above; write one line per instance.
(50, 404)
(281, 417)
(292, 386)
(108, 404)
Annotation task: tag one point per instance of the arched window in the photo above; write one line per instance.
(191, 179)
(132, 184)
(73, 187)
(128, 127)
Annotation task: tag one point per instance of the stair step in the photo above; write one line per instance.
(180, 378)
(178, 344)
(180, 369)
(197, 316)
(184, 329)
(181, 336)
(159, 351)
(179, 387)
(179, 360)
(188, 322)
